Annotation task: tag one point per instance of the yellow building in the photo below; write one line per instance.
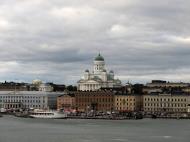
(127, 102)
(66, 101)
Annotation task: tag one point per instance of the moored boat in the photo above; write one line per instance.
(3, 110)
(48, 114)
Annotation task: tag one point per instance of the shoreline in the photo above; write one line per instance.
(104, 118)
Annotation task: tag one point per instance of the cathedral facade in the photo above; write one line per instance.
(98, 78)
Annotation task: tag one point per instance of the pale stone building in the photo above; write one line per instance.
(98, 78)
(28, 99)
(166, 102)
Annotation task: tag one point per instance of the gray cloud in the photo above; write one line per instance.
(57, 40)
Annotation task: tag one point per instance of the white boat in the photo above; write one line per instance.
(3, 110)
(48, 114)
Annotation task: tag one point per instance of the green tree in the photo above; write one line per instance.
(71, 88)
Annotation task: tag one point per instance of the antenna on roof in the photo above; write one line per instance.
(99, 53)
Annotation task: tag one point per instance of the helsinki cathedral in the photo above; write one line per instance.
(99, 78)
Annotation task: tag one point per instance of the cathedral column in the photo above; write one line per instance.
(92, 86)
(96, 86)
(84, 87)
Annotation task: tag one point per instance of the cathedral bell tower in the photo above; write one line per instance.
(99, 64)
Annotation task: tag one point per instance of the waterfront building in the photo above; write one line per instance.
(98, 78)
(66, 101)
(94, 100)
(163, 96)
(28, 99)
(157, 102)
(127, 103)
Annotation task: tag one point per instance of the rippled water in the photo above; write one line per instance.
(40, 130)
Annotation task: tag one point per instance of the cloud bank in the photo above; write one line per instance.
(56, 40)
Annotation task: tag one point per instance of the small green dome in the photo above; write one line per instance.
(99, 58)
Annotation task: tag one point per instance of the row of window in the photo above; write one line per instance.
(99, 105)
(126, 104)
(20, 97)
(23, 101)
(165, 105)
(124, 108)
(24, 106)
(95, 99)
(125, 99)
(161, 99)
(37, 101)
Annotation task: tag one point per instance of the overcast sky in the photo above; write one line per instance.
(56, 40)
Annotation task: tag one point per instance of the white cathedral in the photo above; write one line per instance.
(99, 78)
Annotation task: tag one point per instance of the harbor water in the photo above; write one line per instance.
(13, 129)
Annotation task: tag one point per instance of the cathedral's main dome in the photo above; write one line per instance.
(99, 58)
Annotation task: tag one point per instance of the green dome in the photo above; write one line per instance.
(99, 58)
